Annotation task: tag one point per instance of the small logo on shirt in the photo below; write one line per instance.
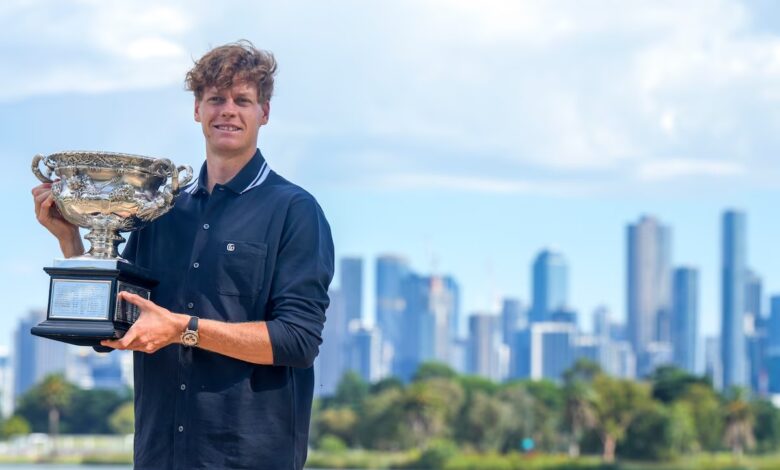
(231, 247)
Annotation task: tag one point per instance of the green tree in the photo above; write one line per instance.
(671, 383)
(55, 393)
(339, 421)
(739, 423)
(430, 408)
(486, 422)
(15, 426)
(385, 384)
(351, 391)
(89, 411)
(616, 404)
(522, 415)
(433, 370)
(659, 432)
(767, 425)
(578, 396)
(381, 423)
(706, 412)
(122, 420)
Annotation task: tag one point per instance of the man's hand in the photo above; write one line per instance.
(155, 328)
(49, 216)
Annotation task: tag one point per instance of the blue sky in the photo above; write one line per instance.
(466, 136)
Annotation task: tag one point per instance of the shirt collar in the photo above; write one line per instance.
(253, 174)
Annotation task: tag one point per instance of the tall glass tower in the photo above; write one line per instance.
(550, 284)
(685, 318)
(649, 286)
(733, 277)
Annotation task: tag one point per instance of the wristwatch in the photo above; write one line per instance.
(190, 336)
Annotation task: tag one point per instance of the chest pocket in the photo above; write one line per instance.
(241, 267)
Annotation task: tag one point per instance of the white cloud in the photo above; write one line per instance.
(562, 87)
(669, 169)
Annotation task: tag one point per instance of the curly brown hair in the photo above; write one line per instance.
(239, 61)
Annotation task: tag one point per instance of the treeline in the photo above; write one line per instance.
(56, 406)
(670, 414)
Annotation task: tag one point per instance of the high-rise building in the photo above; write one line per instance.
(512, 319)
(649, 285)
(550, 279)
(713, 368)
(364, 355)
(6, 384)
(88, 369)
(734, 270)
(330, 364)
(35, 357)
(451, 286)
(685, 318)
(390, 303)
(544, 350)
(351, 287)
(417, 344)
(773, 345)
(429, 305)
(602, 323)
(485, 346)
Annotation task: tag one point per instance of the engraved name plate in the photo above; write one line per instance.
(85, 300)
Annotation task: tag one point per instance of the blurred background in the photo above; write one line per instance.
(512, 186)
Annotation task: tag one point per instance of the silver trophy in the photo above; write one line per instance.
(106, 193)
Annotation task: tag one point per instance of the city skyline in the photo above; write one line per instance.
(468, 142)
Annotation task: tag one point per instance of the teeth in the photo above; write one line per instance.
(227, 128)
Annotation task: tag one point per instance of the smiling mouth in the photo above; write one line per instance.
(228, 128)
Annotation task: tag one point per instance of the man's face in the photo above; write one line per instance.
(231, 119)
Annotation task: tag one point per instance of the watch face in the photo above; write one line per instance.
(189, 338)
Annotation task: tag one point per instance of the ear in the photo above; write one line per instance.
(197, 110)
(266, 107)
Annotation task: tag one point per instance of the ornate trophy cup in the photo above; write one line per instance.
(105, 193)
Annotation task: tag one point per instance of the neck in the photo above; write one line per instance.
(223, 168)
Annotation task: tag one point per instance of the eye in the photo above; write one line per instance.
(216, 99)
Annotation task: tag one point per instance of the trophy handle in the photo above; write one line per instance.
(184, 175)
(36, 161)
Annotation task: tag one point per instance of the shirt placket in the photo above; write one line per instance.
(182, 423)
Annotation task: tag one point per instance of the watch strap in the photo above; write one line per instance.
(193, 324)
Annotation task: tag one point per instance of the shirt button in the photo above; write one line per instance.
(205, 226)
(196, 265)
(190, 305)
(221, 189)
(181, 428)
(183, 387)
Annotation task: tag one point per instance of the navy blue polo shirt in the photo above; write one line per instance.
(258, 248)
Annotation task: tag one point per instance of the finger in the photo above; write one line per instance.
(111, 343)
(135, 299)
(126, 341)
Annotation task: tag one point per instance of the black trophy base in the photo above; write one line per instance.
(84, 308)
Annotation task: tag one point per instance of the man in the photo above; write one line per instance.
(244, 259)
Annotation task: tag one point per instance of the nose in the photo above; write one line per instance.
(229, 108)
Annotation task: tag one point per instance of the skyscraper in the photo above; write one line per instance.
(6, 384)
(330, 364)
(35, 357)
(429, 305)
(351, 287)
(648, 284)
(733, 347)
(512, 319)
(364, 352)
(390, 303)
(549, 284)
(484, 346)
(685, 318)
(416, 344)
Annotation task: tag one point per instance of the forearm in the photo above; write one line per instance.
(72, 246)
(248, 341)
